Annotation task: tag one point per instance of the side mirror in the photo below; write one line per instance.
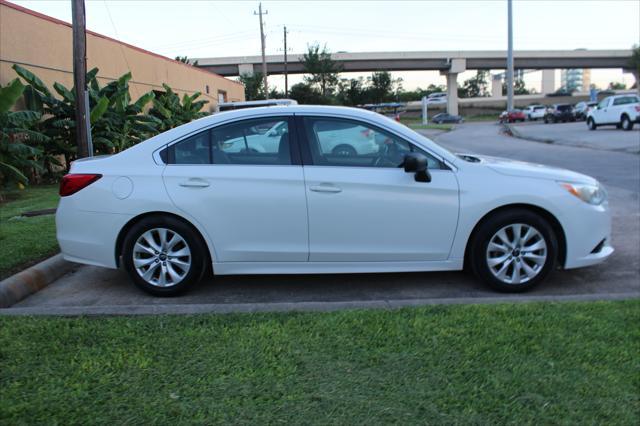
(414, 162)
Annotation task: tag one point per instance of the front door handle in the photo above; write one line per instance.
(194, 183)
(325, 188)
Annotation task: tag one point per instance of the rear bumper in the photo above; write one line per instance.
(88, 237)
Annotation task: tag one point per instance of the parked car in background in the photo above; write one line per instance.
(623, 111)
(534, 112)
(180, 204)
(582, 108)
(559, 113)
(445, 117)
(512, 116)
(437, 98)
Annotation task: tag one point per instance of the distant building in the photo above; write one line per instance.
(575, 79)
(43, 45)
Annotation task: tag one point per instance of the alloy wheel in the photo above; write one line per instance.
(516, 253)
(162, 257)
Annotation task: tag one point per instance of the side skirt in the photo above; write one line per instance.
(259, 268)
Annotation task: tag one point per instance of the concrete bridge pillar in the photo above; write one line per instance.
(496, 86)
(458, 65)
(548, 81)
(245, 69)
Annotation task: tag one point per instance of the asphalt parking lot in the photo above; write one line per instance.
(606, 138)
(92, 290)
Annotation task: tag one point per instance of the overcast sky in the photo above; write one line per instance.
(229, 28)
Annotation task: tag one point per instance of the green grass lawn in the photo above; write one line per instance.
(26, 240)
(539, 363)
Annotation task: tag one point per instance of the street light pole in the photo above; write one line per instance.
(80, 77)
(510, 56)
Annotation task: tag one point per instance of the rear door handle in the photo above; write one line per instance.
(325, 188)
(194, 183)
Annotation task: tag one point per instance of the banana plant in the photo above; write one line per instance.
(171, 112)
(18, 155)
(116, 124)
(123, 123)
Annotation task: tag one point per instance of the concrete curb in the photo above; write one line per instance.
(514, 132)
(25, 283)
(226, 308)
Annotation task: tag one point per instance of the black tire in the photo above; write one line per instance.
(485, 232)
(546, 120)
(344, 151)
(591, 124)
(626, 123)
(197, 248)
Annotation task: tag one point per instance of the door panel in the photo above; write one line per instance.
(240, 183)
(380, 214)
(251, 213)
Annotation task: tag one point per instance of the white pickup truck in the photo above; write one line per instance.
(621, 111)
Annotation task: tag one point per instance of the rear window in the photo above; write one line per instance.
(625, 100)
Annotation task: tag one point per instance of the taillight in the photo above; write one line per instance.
(638, 108)
(73, 183)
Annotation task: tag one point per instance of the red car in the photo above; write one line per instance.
(512, 116)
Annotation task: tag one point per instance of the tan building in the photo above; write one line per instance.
(44, 46)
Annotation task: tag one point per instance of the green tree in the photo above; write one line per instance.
(634, 65)
(186, 60)
(519, 88)
(253, 86)
(383, 87)
(17, 155)
(615, 85)
(322, 71)
(476, 86)
(351, 92)
(304, 93)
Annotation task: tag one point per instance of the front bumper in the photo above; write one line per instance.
(588, 235)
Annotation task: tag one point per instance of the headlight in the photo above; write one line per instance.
(592, 194)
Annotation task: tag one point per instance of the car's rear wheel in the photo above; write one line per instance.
(591, 124)
(513, 250)
(163, 256)
(626, 123)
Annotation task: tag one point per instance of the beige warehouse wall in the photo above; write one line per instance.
(44, 46)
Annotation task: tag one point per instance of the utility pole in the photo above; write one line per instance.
(80, 76)
(264, 59)
(286, 76)
(510, 56)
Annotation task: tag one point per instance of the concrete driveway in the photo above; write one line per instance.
(92, 290)
(606, 138)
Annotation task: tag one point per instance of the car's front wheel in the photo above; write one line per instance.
(163, 255)
(513, 250)
(591, 124)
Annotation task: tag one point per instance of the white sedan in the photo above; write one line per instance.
(181, 202)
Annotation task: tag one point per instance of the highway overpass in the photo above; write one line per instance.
(421, 61)
(449, 63)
